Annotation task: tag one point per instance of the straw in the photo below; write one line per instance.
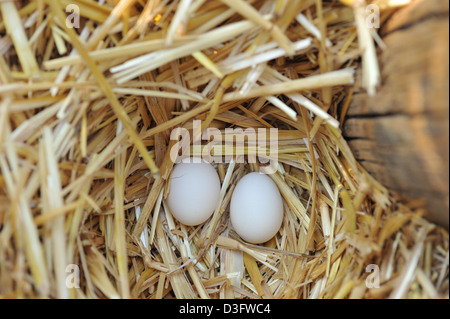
(86, 153)
(16, 30)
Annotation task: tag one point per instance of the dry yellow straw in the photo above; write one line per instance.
(86, 153)
(106, 88)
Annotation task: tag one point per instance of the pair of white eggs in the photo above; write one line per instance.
(256, 208)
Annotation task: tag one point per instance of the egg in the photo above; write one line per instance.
(256, 208)
(194, 191)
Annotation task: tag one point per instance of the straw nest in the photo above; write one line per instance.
(88, 102)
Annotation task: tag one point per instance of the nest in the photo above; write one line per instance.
(90, 92)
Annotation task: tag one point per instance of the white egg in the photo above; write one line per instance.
(194, 191)
(256, 208)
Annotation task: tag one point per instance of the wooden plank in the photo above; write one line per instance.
(401, 135)
(415, 14)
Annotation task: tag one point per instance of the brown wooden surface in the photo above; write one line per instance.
(401, 136)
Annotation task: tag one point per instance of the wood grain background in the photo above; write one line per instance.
(401, 135)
